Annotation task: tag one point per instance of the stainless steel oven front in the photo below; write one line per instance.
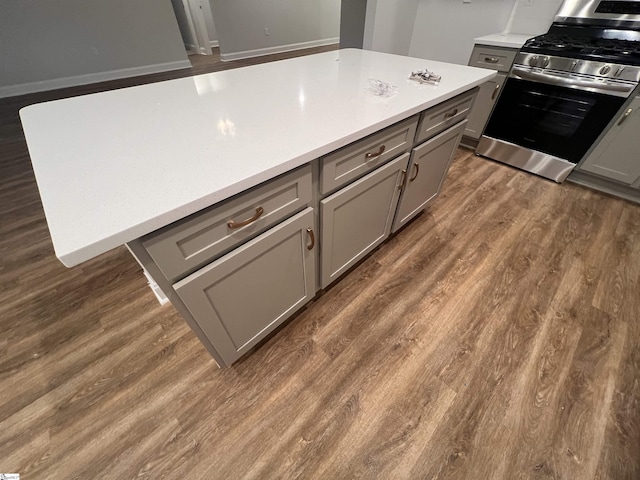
(565, 87)
(548, 115)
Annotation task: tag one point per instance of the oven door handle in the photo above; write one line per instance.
(617, 89)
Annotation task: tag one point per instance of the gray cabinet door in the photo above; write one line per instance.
(486, 99)
(427, 169)
(358, 218)
(617, 154)
(241, 297)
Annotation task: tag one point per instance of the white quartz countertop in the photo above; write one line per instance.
(114, 166)
(507, 40)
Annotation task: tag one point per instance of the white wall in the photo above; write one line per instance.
(291, 24)
(532, 19)
(445, 29)
(47, 44)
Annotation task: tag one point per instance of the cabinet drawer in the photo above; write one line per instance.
(353, 161)
(441, 117)
(188, 244)
(493, 58)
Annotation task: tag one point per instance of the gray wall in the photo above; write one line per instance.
(184, 25)
(240, 25)
(390, 25)
(352, 15)
(47, 44)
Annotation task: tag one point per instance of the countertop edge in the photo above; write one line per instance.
(505, 40)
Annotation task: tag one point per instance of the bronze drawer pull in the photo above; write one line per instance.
(625, 116)
(415, 175)
(451, 114)
(259, 211)
(404, 179)
(491, 59)
(495, 92)
(377, 154)
(312, 237)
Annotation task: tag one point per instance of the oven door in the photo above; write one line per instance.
(557, 120)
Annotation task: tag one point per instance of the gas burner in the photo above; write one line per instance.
(586, 45)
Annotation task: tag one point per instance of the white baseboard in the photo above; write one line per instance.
(214, 43)
(226, 57)
(54, 84)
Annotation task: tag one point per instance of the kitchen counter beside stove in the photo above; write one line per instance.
(121, 166)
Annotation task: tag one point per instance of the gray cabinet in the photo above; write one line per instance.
(427, 169)
(486, 99)
(358, 218)
(238, 269)
(617, 155)
(437, 119)
(241, 297)
(494, 58)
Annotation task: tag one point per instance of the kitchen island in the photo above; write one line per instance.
(184, 172)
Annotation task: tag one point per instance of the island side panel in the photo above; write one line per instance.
(149, 265)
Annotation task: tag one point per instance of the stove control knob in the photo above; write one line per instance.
(619, 71)
(533, 61)
(605, 69)
(545, 62)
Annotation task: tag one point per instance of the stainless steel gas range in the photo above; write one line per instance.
(565, 87)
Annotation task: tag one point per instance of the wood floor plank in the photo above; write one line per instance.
(587, 397)
(496, 336)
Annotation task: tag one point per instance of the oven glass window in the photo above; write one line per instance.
(560, 121)
(555, 115)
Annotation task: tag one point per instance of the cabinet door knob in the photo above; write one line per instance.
(491, 59)
(495, 92)
(415, 175)
(233, 225)
(451, 114)
(376, 154)
(312, 238)
(625, 116)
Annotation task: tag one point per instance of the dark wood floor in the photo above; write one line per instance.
(496, 337)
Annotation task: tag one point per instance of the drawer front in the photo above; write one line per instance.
(363, 156)
(188, 244)
(493, 58)
(441, 117)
